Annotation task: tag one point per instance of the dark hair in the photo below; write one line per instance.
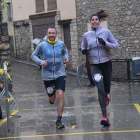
(52, 28)
(102, 15)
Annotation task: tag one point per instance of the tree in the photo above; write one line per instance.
(3, 4)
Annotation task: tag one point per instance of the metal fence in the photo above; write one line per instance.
(135, 68)
(9, 97)
(80, 75)
(121, 71)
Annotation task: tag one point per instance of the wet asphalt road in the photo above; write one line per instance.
(35, 117)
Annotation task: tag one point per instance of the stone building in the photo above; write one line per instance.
(7, 18)
(36, 16)
(4, 52)
(123, 22)
(71, 19)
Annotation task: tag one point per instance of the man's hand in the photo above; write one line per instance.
(84, 52)
(65, 65)
(44, 63)
(101, 41)
(66, 61)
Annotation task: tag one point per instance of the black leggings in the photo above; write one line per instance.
(103, 86)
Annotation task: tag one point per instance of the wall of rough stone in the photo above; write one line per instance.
(23, 38)
(73, 52)
(123, 22)
(4, 52)
(57, 26)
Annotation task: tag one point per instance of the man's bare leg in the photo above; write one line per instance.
(52, 99)
(60, 107)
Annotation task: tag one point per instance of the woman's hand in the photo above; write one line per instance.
(84, 51)
(101, 41)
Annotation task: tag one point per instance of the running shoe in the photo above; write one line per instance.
(105, 121)
(59, 124)
(107, 100)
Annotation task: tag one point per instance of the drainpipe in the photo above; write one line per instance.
(15, 51)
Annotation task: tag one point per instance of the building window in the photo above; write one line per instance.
(67, 37)
(39, 6)
(52, 4)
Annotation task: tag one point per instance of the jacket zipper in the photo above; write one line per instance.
(54, 60)
(97, 46)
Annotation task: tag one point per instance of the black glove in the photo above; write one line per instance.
(101, 41)
(84, 51)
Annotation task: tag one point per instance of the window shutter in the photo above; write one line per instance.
(39, 31)
(67, 37)
(40, 26)
(39, 6)
(52, 5)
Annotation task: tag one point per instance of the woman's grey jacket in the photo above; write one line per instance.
(98, 53)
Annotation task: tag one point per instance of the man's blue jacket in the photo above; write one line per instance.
(55, 55)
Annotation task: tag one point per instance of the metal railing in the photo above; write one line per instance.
(80, 75)
(9, 96)
(121, 71)
(135, 68)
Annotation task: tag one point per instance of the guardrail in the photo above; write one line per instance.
(80, 75)
(135, 68)
(9, 96)
(122, 70)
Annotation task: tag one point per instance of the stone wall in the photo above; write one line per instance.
(73, 52)
(23, 38)
(57, 26)
(123, 22)
(4, 52)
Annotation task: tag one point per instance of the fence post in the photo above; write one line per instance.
(128, 70)
(7, 96)
(80, 74)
